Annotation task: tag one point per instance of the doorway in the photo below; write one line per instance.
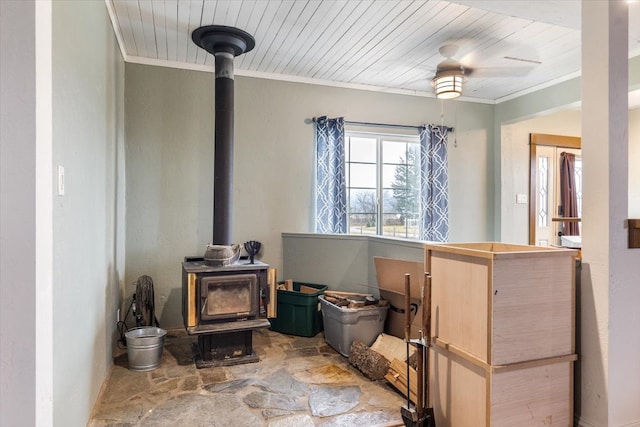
(547, 220)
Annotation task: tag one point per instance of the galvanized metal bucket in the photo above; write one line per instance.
(144, 347)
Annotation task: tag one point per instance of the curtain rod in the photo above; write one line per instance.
(386, 125)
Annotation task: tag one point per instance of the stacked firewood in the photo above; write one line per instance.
(353, 299)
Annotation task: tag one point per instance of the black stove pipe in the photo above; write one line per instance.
(224, 43)
(223, 162)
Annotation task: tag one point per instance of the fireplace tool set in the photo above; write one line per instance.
(420, 415)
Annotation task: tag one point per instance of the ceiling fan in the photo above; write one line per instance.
(451, 74)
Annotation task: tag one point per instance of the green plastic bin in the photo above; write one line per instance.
(299, 312)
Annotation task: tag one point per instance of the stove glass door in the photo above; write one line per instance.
(229, 297)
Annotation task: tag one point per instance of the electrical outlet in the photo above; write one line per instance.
(521, 198)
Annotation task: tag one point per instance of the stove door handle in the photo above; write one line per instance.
(204, 305)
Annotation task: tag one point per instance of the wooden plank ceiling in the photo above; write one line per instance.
(511, 46)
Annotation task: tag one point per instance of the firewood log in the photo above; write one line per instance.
(371, 363)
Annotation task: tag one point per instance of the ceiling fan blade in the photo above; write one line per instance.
(505, 72)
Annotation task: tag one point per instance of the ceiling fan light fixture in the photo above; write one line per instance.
(448, 84)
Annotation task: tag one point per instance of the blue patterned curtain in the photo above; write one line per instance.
(331, 203)
(434, 181)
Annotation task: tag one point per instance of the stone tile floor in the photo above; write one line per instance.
(298, 382)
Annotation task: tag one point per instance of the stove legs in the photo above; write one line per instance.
(225, 349)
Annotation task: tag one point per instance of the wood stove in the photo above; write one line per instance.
(222, 306)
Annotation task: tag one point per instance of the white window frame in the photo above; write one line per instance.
(379, 137)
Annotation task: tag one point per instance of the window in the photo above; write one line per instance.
(383, 184)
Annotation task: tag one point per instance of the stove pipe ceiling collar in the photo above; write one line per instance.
(220, 38)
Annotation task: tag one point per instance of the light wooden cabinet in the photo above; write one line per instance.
(503, 322)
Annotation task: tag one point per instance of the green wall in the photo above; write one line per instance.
(88, 89)
(170, 152)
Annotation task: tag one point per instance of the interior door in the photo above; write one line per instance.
(544, 190)
(548, 225)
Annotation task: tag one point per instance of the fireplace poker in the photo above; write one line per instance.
(421, 415)
(430, 419)
(409, 414)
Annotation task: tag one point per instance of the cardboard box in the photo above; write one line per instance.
(390, 273)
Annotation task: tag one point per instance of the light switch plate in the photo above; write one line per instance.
(60, 180)
(521, 198)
